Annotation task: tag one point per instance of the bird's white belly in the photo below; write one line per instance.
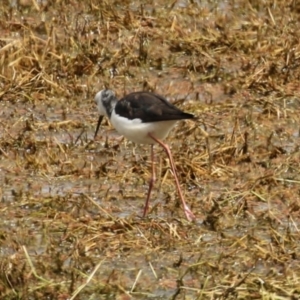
(138, 132)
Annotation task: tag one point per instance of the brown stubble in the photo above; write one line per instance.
(71, 206)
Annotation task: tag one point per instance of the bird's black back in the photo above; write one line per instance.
(149, 107)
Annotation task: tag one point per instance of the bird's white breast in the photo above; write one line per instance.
(137, 131)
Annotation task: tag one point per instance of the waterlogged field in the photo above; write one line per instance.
(71, 206)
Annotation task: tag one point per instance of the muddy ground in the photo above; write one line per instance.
(71, 223)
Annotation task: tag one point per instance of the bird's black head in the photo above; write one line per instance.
(106, 101)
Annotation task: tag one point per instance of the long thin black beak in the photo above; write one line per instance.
(98, 125)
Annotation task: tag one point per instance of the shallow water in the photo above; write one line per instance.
(73, 201)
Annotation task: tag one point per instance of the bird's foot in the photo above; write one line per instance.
(188, 213)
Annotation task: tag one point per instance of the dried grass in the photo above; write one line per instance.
(70, 210)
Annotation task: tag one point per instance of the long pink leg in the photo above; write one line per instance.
(189, 215)
(151, 183)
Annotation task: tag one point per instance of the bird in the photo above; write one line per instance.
(144, 118)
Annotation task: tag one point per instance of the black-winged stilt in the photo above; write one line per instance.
(144, 118)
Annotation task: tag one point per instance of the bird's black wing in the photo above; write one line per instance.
(149, 107)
